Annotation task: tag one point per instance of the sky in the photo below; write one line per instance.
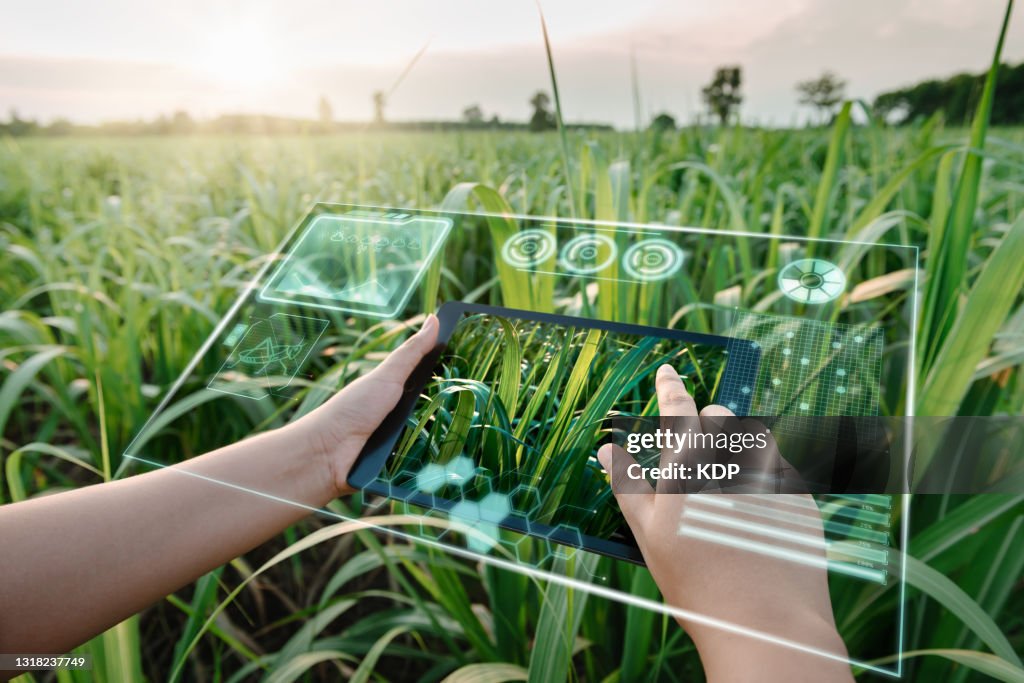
(125, 59)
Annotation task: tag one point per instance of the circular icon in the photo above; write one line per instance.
(528, 248)
(812, 281)
(653, 259)
(585, 254)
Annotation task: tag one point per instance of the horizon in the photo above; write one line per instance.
(131, 63)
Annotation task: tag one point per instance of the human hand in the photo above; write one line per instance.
(338, 430)
(298, 467)
(770, 594)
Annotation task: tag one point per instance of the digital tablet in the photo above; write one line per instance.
(501, 422)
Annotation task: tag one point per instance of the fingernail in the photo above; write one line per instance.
(604, 456)
(667, 369)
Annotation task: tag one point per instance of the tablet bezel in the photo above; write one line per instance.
(380, 446)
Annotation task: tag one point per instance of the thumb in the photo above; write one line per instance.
(634, 496)
(402, 361)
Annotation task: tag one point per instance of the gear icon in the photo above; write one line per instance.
(812, 281)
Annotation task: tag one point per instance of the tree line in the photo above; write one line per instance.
(955, 97)
(182, 123)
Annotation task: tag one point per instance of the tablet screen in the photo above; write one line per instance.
(507, 428)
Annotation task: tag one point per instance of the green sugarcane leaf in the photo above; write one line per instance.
(941, 589)
(970, 337)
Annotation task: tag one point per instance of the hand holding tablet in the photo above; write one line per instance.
(501, 423)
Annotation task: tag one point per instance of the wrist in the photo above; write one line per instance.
(771, 657)
(331, 451)
(310, 464)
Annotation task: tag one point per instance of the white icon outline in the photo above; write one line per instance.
(576, 243)
(669, 250)
(524, 238)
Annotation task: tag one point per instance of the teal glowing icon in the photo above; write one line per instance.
(367, 265)
(266, 358)
(586, 254)
(651, 260)
(812, 281)
(529, 248)
(482, 515)
(268, 353)
(236, 333)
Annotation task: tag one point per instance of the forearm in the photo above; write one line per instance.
(139, 539)
(736, 658)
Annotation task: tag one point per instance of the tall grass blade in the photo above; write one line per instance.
(947, 270)
(941, 589)
(13, 466)
(117, 654)
(824, 198)
(559, 622)
(982, 662)
(488, 673)
(969, 338)
(519, 289)
(560, 120)
(964, 521)
(203, 597)
(19, 380)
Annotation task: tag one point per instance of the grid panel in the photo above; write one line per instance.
(808, 369)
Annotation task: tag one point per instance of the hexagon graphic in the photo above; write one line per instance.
(466, 510)
(459, 470)
(494, 508)
(527, 500)
(431, 478)
(484, 538)
(565, 534)
(523, 548)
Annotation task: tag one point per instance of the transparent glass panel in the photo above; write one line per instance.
(554, 327)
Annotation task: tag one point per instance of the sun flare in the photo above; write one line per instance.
(242, 56)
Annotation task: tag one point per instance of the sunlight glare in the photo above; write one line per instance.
(243, 56)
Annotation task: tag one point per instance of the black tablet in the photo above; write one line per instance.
(500, 425)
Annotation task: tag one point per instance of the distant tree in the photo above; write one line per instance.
(542, 118)
(664, 121)
(822, 93)
(723, 94)
(181, 123)
(495, 121)
(473, 115)
(60, 126)
(379, 100)
(325, 113)
(18, 126)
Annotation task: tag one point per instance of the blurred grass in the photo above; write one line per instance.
(116, 257)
